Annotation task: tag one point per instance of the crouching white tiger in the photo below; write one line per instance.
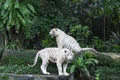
(66, 41)
(55, 55)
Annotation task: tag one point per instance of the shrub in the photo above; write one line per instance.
(81, 34)
(84, 66)
(98, 44)
(19, 69)
(113, 44)
(48, 42)
(108, 73)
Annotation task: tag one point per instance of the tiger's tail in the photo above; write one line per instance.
(89, 49)
(35, 61)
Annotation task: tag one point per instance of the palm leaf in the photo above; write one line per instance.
(10, 18)
(7, 3)
(31, 8)
(22, 20)
(16, 4)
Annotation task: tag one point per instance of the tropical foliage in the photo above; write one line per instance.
(84, 66)
(25, 24)
(15, 15)
(82, 34)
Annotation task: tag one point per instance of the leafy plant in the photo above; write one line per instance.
(97, 76)
(24, 69)
(115, 37)
(101, 15)
(14, 17)
(81, 34)
(84, 65)
(19, 69)
(4, 77)
(108, 73)
(48, 42)
(113, 44)
(98, 44)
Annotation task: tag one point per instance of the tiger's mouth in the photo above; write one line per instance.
(69, 61)
(52, 35)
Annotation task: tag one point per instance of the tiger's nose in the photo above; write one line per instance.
(70, 58)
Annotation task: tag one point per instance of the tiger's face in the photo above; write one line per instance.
(69, 55)
(54, 32)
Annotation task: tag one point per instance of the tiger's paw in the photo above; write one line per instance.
(61, 74)
(66, 74)
(47, 73)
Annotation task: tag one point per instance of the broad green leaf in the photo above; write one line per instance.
(17, 26)
(7, 4)
(31, 8)
(10, 18)
(79, 61)
(87, 71)
(8, 27)
(21, 19)
(3, 12)
(16, 4)
(72, 69)
(94, 60)
(24, 10)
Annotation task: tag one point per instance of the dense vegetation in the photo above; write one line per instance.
(27, 27)
(25, 24)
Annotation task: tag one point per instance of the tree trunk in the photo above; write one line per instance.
(3, 47)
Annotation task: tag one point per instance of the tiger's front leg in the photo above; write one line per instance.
(64, 69)
(59, 43)
(59, 66)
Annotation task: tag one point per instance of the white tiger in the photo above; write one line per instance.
(55, 55)
(66, 41)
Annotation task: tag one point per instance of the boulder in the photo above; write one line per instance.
(9, 76)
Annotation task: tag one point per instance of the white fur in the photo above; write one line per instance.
(55, 55)
(66, 41)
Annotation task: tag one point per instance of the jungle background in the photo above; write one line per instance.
(25, 25)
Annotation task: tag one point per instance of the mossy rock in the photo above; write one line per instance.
(109, 59)
(8, 76)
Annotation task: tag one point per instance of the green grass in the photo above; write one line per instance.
(22, 69)
(109, 73)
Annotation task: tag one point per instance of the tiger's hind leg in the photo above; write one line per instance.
(44, 66)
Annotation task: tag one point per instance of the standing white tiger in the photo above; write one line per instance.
(66, 41)
(55, 55)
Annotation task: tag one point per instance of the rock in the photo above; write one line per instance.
(109, 59)
(8, 76)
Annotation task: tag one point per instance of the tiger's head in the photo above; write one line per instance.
(68, 55)
(55, 32)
